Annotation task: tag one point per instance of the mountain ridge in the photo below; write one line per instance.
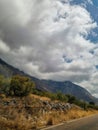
(66, 87)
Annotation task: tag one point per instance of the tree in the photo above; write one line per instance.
(60, 96)
(91, 103)
(21, 86)
(71, 98)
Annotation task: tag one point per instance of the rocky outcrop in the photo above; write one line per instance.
(58, 106)
(40, 106)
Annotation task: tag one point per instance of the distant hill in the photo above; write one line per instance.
(65, 87)
(68, 87)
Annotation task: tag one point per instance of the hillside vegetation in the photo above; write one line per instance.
(24, 107)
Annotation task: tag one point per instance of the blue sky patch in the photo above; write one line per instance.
(95, 2)
(67, 60)
(96, 66)
(91, 51)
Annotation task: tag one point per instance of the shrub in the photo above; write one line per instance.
(4, 85)
(20, 86)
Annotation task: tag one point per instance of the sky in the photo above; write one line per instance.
(95, 2)
(52, 39)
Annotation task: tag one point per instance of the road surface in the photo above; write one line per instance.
(87, 123)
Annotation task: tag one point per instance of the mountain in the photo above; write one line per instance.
(68, 87)
(8, 70)
(65, 87)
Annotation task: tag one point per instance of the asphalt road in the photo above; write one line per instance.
(87, 123)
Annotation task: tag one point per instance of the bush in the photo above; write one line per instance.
(71, 98)
(91, 103)
(20, 86)
(4, 85)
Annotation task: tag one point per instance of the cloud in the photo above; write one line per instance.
(90, 1)
(92, 84)
(35, 36)
(3, 47)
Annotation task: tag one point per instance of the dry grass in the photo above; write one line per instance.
(16, 121)
(21, 118)
(76, 113)
(59, 117)
(40, 97)
(19, 124)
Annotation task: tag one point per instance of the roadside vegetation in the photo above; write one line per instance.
(24, 107)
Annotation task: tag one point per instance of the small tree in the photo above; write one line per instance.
(71, 99)
(20, 86)
(92, 103)
(60, 96)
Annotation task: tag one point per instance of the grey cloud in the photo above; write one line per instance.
(15, 25)
(72, 76)
(33, 41)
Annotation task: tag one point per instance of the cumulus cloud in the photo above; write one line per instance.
(48, 39)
